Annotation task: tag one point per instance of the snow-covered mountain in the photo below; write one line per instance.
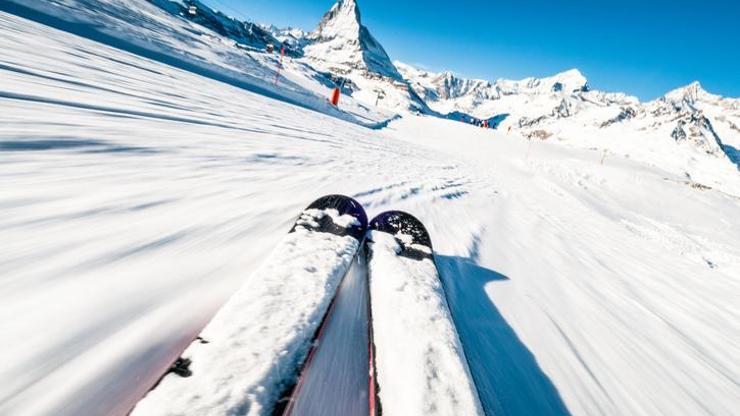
(342, 46)
(528, 98)
(246, 34)
(447, 86)
(683, 110)
(564, 108)
(342, 43)
(292, 37)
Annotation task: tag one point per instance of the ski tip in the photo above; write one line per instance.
(399, 222)
(344, 206)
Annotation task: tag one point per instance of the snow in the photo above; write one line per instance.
(310, 218)
(415, 339)
(251, 350)
(582, 310)
(138, 194)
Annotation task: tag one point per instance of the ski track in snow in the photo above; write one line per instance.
(137, 197)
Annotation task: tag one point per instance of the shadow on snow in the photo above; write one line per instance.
(508, 377)
(733, 154)
(84, 146)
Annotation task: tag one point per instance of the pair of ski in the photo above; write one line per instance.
(332, 274)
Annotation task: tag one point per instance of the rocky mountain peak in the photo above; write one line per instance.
(342, 43)
(688, 94)
(343, 20)
(572, 80)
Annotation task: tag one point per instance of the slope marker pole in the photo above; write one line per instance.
(280, 64)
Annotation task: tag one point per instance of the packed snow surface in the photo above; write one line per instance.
(420, 363)
(584, 276)
(309, 218)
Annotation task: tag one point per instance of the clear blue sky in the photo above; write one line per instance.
(641, 47)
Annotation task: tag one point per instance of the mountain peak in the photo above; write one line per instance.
(689, 93)
(569, 81)
(342, 42)
(343, 19)
(572, 74)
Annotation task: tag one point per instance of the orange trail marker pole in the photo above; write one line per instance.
(335, 97)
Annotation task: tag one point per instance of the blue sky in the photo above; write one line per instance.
(644, 48)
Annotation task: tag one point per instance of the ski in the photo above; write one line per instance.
(250, 354)
(419, 365)
(334, 380)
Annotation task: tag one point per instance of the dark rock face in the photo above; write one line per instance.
(626, 114)
(244, 33)
(529, 122)
(697, 129)
(564, 109)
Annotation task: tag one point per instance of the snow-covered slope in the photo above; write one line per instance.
(139, 191)
(208, 43)
(93, 316)
(597, 286)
